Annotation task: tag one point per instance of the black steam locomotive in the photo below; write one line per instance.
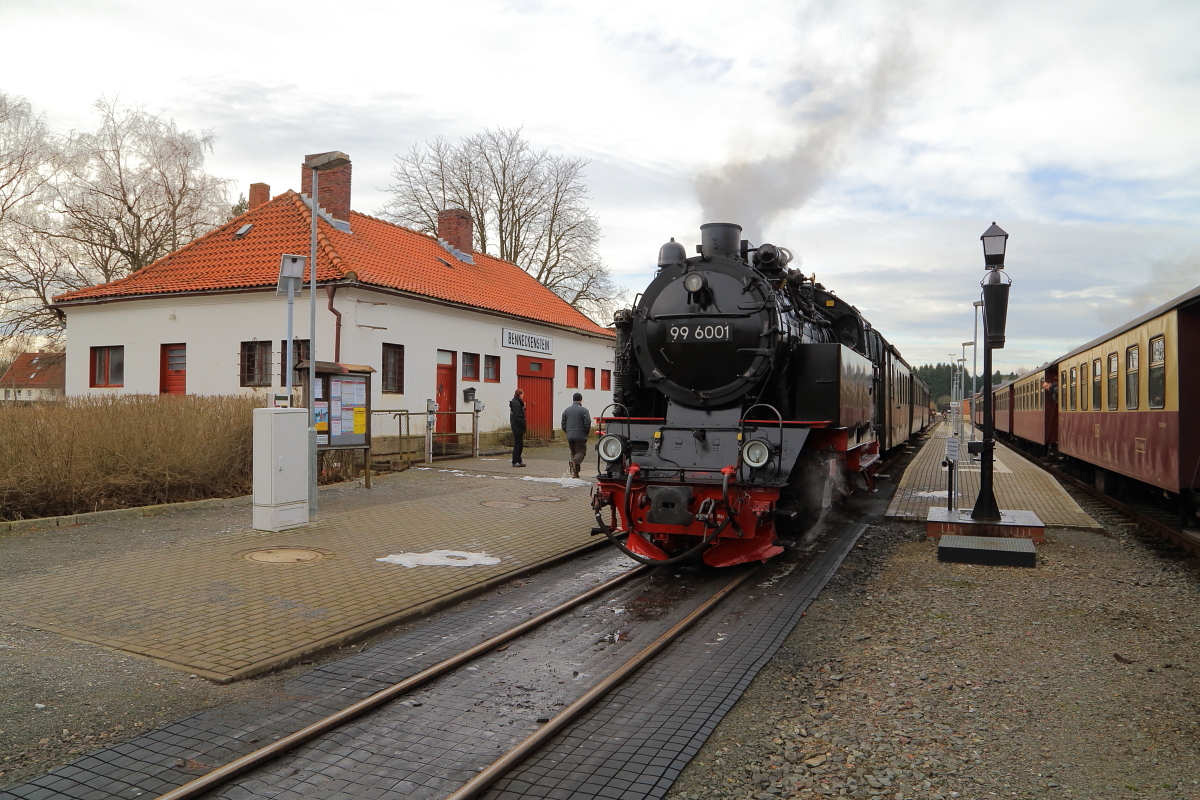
(745, 398)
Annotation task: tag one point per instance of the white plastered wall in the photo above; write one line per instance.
(214, 326)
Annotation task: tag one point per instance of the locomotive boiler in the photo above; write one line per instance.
(746, 398)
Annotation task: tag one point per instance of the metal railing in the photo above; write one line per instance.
(418, 436)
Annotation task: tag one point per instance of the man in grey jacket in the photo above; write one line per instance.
(577, 424)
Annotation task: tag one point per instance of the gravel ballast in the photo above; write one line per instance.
(911, 678)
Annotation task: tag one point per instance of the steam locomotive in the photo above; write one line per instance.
(746, 399)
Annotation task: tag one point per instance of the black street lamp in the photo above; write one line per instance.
(995, 286)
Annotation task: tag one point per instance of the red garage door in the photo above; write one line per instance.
(535, 376)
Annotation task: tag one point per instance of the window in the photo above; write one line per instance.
(470, 362)
(1062, 400)
(605, 380)
(393, 368)
(572, 377)
(1073, 382)
(1157, 384)
(491, 369)
(108, 366)
(589, 377)
(299, 352)
(1112, 381)
(1097, 375)
(255, 365)
(1131, 377)
(1083, 386)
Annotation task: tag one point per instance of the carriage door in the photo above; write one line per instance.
(172, 372)
(535, 376)
(446, 362)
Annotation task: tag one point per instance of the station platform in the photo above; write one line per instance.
(1018, 484)
(202, 592)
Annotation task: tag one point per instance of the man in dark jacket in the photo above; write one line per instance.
(577, 424)
(516, 418)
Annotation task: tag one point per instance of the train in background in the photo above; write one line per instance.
(1123, 407)
(747, 398)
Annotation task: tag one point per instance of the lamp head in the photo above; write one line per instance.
(331, 160)
(994, 242)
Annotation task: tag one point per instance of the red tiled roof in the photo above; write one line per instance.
(378, 252)
(36, 371)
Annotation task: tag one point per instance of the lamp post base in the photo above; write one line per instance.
(1012, 524)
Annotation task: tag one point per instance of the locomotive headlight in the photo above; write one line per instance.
(611, 447)
(756, 453)
(694, 282)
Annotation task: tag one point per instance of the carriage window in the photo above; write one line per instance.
(1097, 374)
(1157, 384)
(1131, 377)
(1083, 386)
(1062, 401)
(1112, 381)
(1073, 382)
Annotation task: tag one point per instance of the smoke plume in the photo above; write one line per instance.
(1168, 278)
(830, 107)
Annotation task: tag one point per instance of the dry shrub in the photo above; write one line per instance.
(95, 453)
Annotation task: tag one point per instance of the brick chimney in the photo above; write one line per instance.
(334, 188)
(259, 194)
(455, 227)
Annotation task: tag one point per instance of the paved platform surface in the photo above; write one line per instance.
(201, 606)
(1018, 484)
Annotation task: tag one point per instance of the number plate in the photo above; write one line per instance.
(699, 333)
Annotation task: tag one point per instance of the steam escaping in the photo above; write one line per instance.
(1168, 278)
(830, 106)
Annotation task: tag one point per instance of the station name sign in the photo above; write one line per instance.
(518, 340)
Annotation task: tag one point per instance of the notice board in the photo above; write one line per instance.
(342, 406)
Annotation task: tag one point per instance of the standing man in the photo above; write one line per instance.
(577, 424)
(516, 418)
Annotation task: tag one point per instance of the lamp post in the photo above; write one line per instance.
(978, 304)
(971, 403)
(321, 161)
(995, 316)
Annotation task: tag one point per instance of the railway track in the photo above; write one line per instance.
(221, 776)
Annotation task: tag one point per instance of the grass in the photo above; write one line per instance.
(97, 453)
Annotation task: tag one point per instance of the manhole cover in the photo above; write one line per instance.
(544, 498)
(283, 555)
(502, 504)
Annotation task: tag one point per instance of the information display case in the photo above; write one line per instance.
(342, 403)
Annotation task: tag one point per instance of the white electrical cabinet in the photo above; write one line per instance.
(280, 468)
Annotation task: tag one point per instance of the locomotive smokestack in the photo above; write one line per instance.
(720, 239)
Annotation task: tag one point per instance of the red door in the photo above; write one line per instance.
(446, 384)
(535, 376)
(173, 369)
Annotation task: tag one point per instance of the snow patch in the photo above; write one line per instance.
(566, 483)
(440, 558)
(941, 494)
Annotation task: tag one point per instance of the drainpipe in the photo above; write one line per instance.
(331, 290)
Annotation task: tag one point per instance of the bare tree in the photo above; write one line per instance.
(28, 157)
(136, 189)
(103, 204)
(528, 207)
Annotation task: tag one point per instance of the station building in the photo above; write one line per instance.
(428, 314)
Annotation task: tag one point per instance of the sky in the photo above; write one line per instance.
(875, 140)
